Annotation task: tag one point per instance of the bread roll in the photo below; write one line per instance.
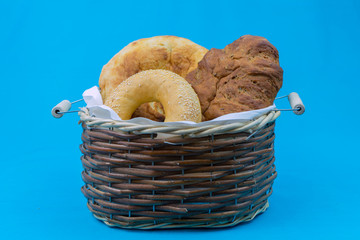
(246, 75)
(176, 54)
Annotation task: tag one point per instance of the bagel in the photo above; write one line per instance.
(176, 95)
(176, 54)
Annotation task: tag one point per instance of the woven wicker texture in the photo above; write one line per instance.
(188, 130)
(136, 180)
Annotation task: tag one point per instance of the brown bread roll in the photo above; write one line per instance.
(246, 75)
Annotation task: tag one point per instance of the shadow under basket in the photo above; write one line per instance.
(197, 177)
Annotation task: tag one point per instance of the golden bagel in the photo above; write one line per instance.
(179, 55)
(176, 95)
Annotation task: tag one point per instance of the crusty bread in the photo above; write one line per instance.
(246, 75)
(176, 95)
(176, 54)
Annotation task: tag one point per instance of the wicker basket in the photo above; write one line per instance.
(207, 176)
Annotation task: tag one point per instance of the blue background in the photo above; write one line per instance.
(54, 50)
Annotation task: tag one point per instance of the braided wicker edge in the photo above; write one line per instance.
(237, 220)
(191, 130)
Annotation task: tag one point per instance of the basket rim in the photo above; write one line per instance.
(191, 130)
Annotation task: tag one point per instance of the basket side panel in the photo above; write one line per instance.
(138, 181)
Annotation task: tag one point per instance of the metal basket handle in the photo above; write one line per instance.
(296, 104)
(63, 107)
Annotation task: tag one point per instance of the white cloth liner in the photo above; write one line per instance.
(94, 102)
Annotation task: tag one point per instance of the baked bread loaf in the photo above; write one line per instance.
(176, 95)
(176, 54)
(246, 75)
